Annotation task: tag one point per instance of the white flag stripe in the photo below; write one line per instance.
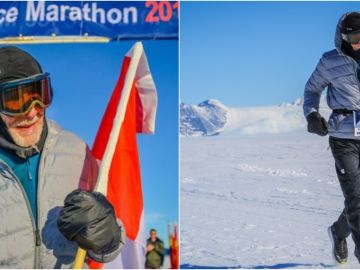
(101, 185)
(146, 89)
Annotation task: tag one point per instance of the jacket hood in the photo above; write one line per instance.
(338, 38)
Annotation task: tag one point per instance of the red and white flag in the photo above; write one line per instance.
(174, 247)
(131, 109)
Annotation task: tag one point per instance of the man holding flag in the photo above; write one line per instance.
(40, 166)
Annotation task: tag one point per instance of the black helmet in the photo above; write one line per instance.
(17, 64)
(351, 23)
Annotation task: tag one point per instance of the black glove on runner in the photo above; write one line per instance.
(317, 124)
(89, 219)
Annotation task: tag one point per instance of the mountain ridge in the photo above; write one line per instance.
(211, 117)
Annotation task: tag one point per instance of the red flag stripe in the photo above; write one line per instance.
(124, 187)
(102, 136)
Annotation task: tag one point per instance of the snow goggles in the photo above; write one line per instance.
(19, 96)
(353, 38)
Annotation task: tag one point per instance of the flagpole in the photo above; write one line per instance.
(102, 180)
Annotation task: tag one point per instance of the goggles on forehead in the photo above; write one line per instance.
(19, 96)
(353, 38)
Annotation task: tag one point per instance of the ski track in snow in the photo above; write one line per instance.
(261, 201)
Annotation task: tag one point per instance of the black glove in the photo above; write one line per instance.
(89, 219)
(317, 124)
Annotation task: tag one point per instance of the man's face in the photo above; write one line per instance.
(355, 46)
(25, 129)
(354, 40)
(153, 235)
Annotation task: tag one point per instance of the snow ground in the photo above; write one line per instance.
(259, 201)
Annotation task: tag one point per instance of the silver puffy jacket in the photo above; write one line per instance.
(336, 72)
(65, 164)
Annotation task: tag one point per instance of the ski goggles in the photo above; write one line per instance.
(19, 96)
(353, 38)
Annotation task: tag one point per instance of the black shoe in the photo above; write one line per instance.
(340, 251)
(356, 253)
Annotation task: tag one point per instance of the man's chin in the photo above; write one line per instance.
(26, 136)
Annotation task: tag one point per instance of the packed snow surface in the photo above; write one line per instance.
(259, 200)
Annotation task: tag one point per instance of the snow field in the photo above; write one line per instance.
(260, 201)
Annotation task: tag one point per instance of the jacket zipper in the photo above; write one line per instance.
(37, 238)
(37, 254)
(40, 166)
(37, 231)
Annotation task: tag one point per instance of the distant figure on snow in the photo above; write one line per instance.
(155, 251)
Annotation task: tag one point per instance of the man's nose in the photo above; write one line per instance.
(34, 111)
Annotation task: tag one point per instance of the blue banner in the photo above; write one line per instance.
(114, 20)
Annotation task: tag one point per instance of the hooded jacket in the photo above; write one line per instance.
(66, 163)
(337, 72)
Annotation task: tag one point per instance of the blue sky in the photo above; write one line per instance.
(253, 53)
(83, 78)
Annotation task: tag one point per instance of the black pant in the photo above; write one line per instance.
(346, 153)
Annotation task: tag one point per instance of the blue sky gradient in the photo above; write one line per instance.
(83, 78)
(254, 53)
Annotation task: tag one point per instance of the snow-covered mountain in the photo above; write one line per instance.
(211, 117)
(206, 119)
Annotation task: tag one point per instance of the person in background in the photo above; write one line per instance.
(155, 251)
